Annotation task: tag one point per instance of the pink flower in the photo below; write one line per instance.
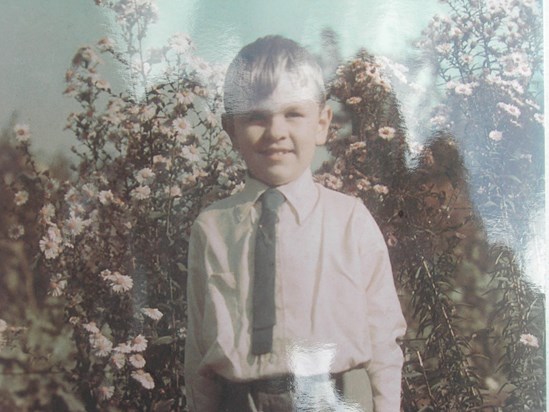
(118, 359)
(386, 132)
(101, 345)
(105, 392)
(529, 340)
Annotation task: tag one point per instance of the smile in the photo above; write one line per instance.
(274, 152)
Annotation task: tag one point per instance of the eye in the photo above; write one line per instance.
(294, 114)
(255, 117)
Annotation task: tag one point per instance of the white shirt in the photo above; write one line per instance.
(336, 304)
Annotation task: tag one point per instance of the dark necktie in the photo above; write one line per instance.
(263, 315)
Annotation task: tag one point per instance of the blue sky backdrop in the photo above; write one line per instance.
(39, 38)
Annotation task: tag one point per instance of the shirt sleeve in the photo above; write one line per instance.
(385, 320)
(202, 392)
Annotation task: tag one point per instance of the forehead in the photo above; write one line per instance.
(290, 91)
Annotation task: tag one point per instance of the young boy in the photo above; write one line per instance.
(290, 291)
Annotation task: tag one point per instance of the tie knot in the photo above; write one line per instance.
(271, 199)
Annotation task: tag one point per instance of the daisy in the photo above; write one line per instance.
(141, 192)
(105, 392)
(190, 153)
(21, 197)
(139, 343)
(144, 175)
(118, 359)
(495, 135)
(16, 231)
(57, 285)
(381, 189)
(105, 197)
(354, 100)
(152, 313)
(181, 126)
(91, 327)
(120, 283)
(174, 191)
(386, 132)
(102, 346)
(49, 247)
(46, 213)
(76, 225)
(143, 378)
(137, 361)
(509, 108)
(529, 340)
(123, 348)
(22, 132)
(464, 89)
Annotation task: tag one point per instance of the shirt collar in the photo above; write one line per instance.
(301, 196)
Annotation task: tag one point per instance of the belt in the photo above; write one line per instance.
(283, 383)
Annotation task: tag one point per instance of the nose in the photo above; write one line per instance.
(277, 128)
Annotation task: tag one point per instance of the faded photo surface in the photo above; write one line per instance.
(118, 130)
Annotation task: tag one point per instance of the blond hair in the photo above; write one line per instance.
(256, 70)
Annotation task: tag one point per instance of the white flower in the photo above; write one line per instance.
(529, 340)
(381, 189)
(118, 359)
(464, 89)
(540, 118)
(22, 132)
(152, 313)
(180, 43)
(190, 153)
(137, 361)
(46, 213)
(123, 348)
(495, 135)
(57, 285)
(444, 48)
(386, 132)
(174, 191)
(354, 100)
(143, 378)
(105, 392)
(139, 343)
(16, 231)
(184, 97)
(101, 345)
(76, 225)
(91, 327)
(509, 108)
(49, 247)
(105, 197)
(120, 283)
(3, 325)
(21, 197)
(141, 192)
(144, 175)
(181, 126)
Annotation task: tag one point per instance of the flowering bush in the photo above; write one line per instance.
(108, 244)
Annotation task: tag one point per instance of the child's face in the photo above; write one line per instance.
(277, 137)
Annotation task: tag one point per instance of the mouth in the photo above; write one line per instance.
(274, 151)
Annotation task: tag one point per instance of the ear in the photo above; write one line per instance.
(324, 121)
(227, 121)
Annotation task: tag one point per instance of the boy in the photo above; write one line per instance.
(289, 290)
